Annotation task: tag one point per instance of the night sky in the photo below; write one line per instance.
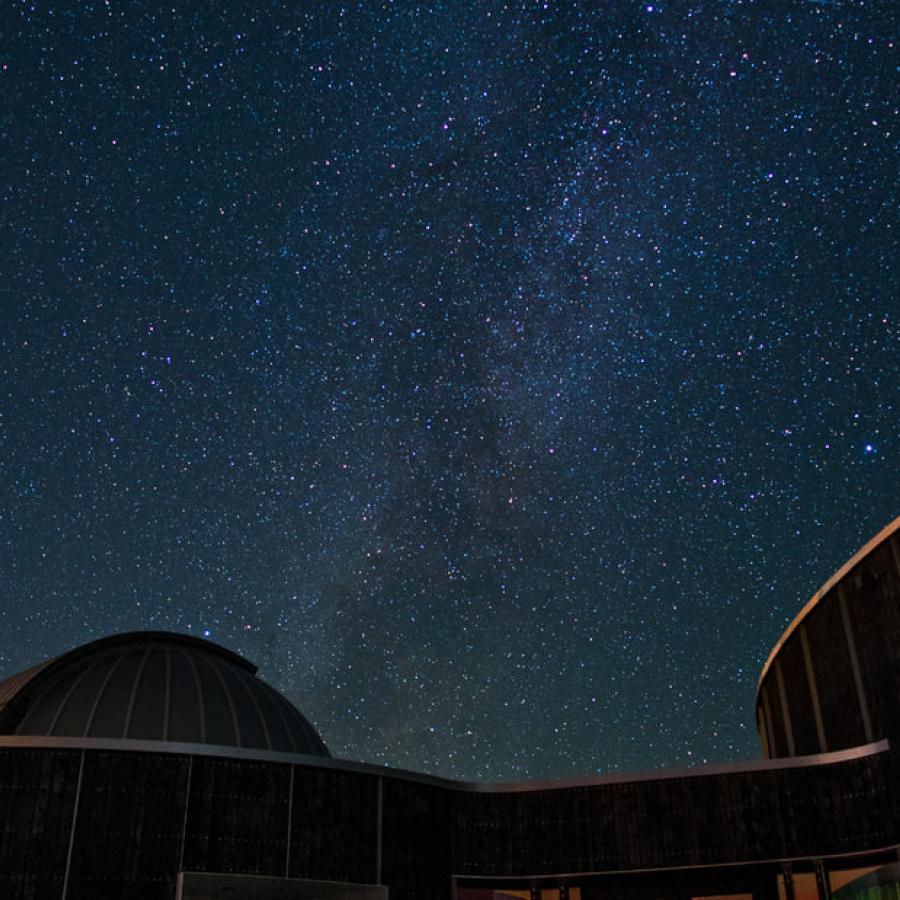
(501, 378)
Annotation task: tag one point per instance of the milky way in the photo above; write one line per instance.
(500, 378)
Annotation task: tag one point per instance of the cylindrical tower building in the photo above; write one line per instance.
(833, 679)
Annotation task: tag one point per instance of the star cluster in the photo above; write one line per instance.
(501, 378)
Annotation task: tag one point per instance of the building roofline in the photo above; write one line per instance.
(27, 690)
(130, 637)
(170, 637)
(692, 867)
(15, 685)
(173, 748)
(825, 589)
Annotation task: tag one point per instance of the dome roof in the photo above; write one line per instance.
(154, 686)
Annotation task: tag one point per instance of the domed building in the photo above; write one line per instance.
(157, 765)
(154, 686)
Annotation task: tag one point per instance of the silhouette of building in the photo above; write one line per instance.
(156, 765)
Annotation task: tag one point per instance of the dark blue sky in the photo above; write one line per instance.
(501, 378)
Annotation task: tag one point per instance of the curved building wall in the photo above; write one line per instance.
(833, 680)
(90, 822)
(123, 814)
(104, 823)
(703, 820)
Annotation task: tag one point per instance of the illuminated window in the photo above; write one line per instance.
(839, 879)
(804, 887)
(869, 883)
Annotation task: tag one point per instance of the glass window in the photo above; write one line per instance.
(839, 879)
(805, 887)
(869, 883)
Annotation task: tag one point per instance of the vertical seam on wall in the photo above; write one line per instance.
(168, 701)
(184, 818)
(763, 731)
(823, 889)
(99, 697)
(70, 691)
(854, 665)
(767, 712)
(134, 690)
(200, 704)
(251, 693)
(378, 829)
(274, 698)
(306, 729)
(229, 700)
(785, 711)
(41, 691)
(74, 823)
(895, 553)
(287, 852)
(813, 689)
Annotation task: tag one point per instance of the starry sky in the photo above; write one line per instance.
(501, 378)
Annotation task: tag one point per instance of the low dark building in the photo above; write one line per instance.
(155, 765)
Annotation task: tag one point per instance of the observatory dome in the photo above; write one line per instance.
(154, 686)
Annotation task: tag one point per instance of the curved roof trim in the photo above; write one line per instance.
(12, 686)
(869, 547)
(28, 742)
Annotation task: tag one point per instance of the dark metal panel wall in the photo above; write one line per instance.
(37, 798)
(334, 830)
(853, 640)
(129, 825)
(779, 732)
(872, 596)
(799, 698)
(130, 820)
(693, 821)
(830, 656)
(237, 818)
(417, 840)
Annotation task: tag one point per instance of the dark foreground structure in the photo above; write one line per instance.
(155, 765)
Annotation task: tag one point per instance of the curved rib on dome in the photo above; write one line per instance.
(153, 685)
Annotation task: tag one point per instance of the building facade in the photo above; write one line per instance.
(154, 765)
